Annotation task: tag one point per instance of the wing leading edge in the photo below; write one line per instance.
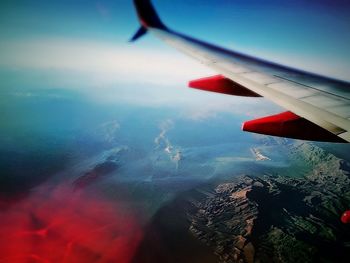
(317, 103)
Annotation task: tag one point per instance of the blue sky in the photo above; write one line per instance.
(251, 22)
(83, 44)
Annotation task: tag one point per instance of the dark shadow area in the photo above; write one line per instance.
(281, 208)
(168, 239)
(21, 171)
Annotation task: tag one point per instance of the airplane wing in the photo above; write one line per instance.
(318, 107)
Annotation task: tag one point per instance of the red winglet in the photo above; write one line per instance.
(147, 14)
(220, 84)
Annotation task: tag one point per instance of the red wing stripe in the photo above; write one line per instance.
(289, 125)
(220, 84)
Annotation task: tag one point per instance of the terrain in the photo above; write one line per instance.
(273, 218)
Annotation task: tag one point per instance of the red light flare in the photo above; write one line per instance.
(64, 226)
(345, 218)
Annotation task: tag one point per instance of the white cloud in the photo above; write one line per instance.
(127, 73)
(104, 62)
